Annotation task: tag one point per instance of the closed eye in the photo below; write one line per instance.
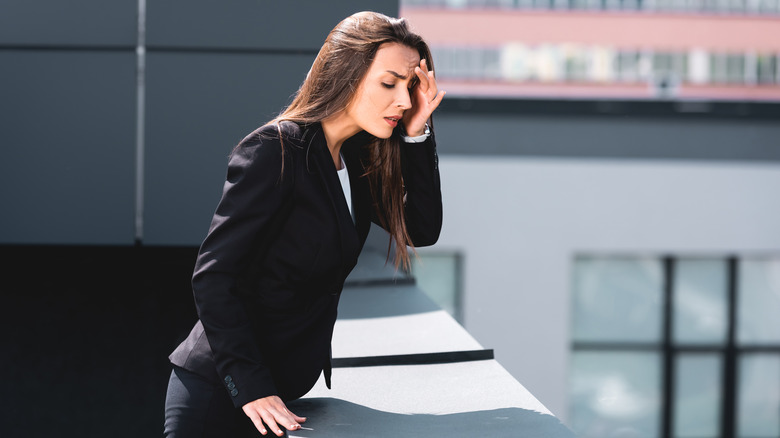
(388, 85)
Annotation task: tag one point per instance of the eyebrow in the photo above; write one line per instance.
(398, 75)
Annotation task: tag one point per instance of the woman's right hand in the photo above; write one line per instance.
(272, 411)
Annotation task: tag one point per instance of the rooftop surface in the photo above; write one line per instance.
(404, 367)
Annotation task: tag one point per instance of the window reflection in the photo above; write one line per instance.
(615, 394)
(758, 412)
(759, 301)
(617, 299)
(438, 275)
(700, 301)
(697, 396)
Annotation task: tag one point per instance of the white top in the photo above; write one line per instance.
(344, 178)
(344, 175)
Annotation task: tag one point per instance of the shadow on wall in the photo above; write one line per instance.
(331, 417)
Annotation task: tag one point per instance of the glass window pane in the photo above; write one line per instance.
(615, 394)
(758, 396)
(437, 275)
(697, 396)
(700, 301)
(617, 299)
(758, 301)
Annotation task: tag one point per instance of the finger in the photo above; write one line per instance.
(291, 421)
(432, 83)
(431, 79)
(430, 89)
(423, 77)
(256, 420)
(424, 65)
(286, 417)
(283, 417)
(437, 100)
(297, 418)
(270, 421)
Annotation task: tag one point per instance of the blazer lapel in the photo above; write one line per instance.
(322, 163)
(361, 195)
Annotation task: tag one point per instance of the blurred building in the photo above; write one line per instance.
(638, 49)
(611, 172)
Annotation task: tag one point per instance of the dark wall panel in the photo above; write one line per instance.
(584, 136)
(67, 166)
(199, 106)
(67, 23)
(275, 25)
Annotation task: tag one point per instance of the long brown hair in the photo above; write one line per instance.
(330, 86)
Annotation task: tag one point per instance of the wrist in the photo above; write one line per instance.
(422, 130)
(417, 137)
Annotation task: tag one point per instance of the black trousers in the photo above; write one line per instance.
(198, 408)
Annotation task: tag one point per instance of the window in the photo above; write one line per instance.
(767, 66)
(471, 63)
(627, 66)
(439, 276)
(573, 63)
(675, 347)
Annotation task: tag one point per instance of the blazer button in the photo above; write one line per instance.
(234, 392)
(231, 385)
(228, 379)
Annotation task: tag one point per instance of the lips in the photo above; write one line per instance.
(393, 120)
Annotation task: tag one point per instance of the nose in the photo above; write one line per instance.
(403, 100)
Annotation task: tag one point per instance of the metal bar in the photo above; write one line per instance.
(232, 50)
(376, 282)
(413, 359)
(140, 129)
(669, 354)
(685, 348)
(729, 404)
(67, 48)
(615, 346)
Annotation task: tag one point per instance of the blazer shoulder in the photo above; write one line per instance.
(283, 138)
(273, 132)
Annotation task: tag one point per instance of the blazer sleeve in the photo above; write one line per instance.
(254, 192)
(420, 169)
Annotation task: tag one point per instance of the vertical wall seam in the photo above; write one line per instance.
(140, 115)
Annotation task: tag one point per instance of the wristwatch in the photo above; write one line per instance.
(419, 138)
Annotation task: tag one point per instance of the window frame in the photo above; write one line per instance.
(729, 352)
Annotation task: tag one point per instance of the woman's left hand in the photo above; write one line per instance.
(425, 98)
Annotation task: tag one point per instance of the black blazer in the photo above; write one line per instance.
(269, 273)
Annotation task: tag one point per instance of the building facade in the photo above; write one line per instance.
(610, 173)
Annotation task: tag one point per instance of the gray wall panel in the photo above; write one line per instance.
(198, 107)
(608, 137)
(68, 139)
(275, 25)
(73, 22)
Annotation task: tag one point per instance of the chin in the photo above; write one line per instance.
(381, 133)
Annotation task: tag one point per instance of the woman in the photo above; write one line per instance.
(354, 147)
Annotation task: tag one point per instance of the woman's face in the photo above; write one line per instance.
(383, 96)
